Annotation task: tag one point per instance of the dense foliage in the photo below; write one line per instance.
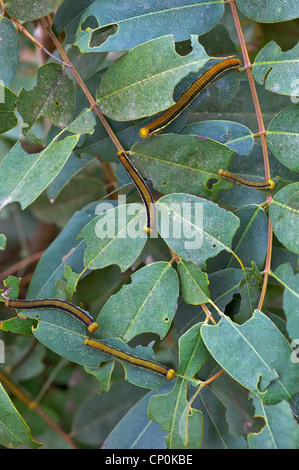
(213, 291)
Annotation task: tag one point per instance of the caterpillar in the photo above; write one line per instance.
(252, 184)
(130, 358)
(143, 190)
(188, 96)
(75, 311)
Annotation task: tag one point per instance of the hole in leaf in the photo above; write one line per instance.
(210, 183)
(100, 35)
(89, 23)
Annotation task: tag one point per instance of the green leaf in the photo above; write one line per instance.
(115, 237)
(284, 274)
(183, 425)
(31, 10)
(72, 279)
(8, 119)
(216, 431)
(68, 16)
(250, 291)
(102, 374)
(24, 176)
(266, 12)
(108, 410)
(183, 163)
(192, 227)
(184, 428)
(13, 429)
(17, 325)
(142, 305)
(284, 216)
(234, 135)
(248, 357)
(12, 283)
(193, 283)
(277, 68)
(141, 82)
(52, 97)
(168, 409)
(64, 250)
(53, 326)
(250, 241)
(9, 51)
(281, 431)
(282, 137)
(193, 353)
(136, 430)
(138, 24)
(83, 124)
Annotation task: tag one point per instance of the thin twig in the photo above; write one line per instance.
(84, 88)
(262, 133)
(21, 264)
(26, 398)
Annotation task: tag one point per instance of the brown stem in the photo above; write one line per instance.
(26, 398)
(20, 265)
(84, 88)
(262, 133)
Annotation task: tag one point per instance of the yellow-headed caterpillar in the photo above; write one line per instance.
(252, 184)
(130, 358)
(143, 190)
(188, 96)
(75, 311)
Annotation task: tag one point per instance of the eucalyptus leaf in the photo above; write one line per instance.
(234, 135)
(52, 97)
(13, 429)
(24, 176)
(193, 283)
(137, 23)
(216, 430)
(283, 135)
(52, 327)
(267, 371)
(183, 163)
(141, 82)
(290, 281)
(136, 430)
(9, 52)
(31, 10)
(250, 291)
(193, 227)
(64, 250)
(171, 422)
(116, 236)
(280, 431)
(68, 16)
(284, 216)
(142, 305)
(8, 119)
(265, 12)
(278, 69)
